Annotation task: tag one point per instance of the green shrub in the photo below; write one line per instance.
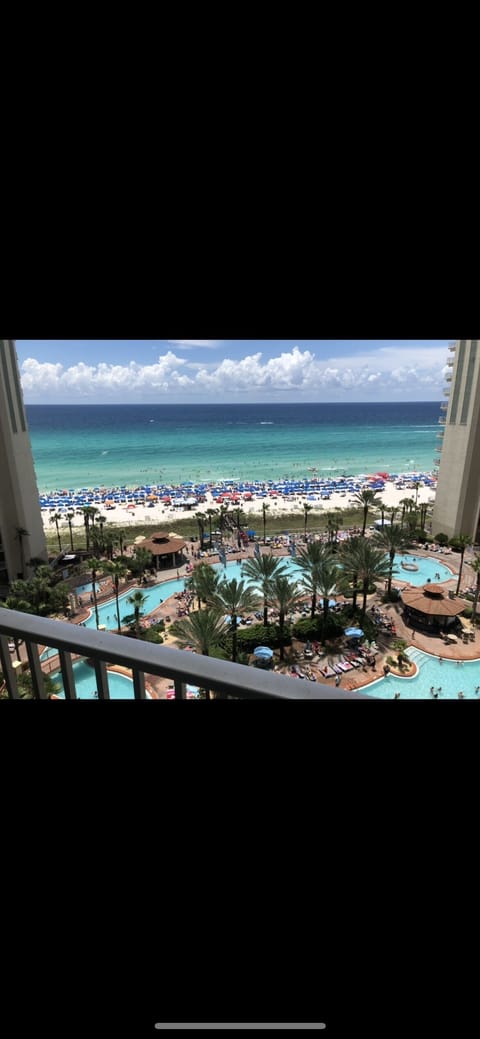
(393, 597)
(441, 539)
(256, 635)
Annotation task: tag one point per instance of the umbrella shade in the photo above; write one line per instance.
(354, 633)
(331, 602)
(263, 652)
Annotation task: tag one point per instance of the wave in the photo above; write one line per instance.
(267, 423)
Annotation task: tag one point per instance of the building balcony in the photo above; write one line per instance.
(442, 420)
(452, 347)
(449, 364)
(443, 405)
(437, 461)
(448, 376)
(105, 648)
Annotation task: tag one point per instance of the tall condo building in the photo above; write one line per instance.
(21, 529)
(457, 502)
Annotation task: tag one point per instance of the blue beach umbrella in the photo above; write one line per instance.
(354, 633)
(331, 602)
(263, 653)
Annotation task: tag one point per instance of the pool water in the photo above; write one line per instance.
(447, 675)
(428, 570)
(86, 589)
(120, 687)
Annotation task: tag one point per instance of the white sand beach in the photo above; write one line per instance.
(164, 516)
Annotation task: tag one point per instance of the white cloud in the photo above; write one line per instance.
(210, 344)
(293, 375)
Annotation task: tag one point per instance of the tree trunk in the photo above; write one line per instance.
(460, 572)
(314, 605)
(281, 622)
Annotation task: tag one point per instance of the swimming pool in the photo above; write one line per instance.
(86, 589)
(107, 612)
(449, 676)
(428, 570)
(120, 687)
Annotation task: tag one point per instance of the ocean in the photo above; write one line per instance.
(113, 445)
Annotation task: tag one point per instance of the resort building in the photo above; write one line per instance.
(21, 529)
(457, 501)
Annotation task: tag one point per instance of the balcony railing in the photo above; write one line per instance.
(444, 404)
(104, 648)
(442, 420)
(437, 461)
(452, 347)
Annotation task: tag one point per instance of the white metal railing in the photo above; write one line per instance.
(104, 648)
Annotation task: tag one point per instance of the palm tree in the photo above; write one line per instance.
(350, 560)
(392, 540)
(406, 504)
(137, 600)
(120, 538)
(366, 498)
(200, 518)
(239, 517)
(96, 541)
(223, 521)
(116, 571)
(211, 513)
(285, 595)
(306, 510)
(70, 515)
(204, 630)
(96, 567)
(88, 512)
(462, 541)
(416, 484)
(310, 559)
(20, 535)
(109, 542)
(372, 565)
(475, 565)
(203, 583)
(392, 512)
(54, 519)
(101, 520)
(265, 509)
(333, 522)
(233, 597)
(327, 586)
(261, 570)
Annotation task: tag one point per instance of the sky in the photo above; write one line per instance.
(177, 371)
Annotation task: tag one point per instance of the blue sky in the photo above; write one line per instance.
(126, 371)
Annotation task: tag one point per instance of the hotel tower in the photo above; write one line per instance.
(19, 504)
(457, 501)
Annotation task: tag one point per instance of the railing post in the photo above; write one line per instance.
(8, 671)
(35, 670)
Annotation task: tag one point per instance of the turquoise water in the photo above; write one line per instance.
(77, 446)
(86, 589)
(120, 687)
(428, 568)
(47, 653)
(448, 675)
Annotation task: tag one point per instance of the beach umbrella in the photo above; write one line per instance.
(263, 653)
(354, 633)
(331, 602)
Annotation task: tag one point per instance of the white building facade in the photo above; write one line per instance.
(457, 501)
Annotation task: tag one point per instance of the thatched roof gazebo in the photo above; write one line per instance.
(166, 551)
(431, 606)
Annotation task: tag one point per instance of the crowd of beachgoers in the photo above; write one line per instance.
(155, 502)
